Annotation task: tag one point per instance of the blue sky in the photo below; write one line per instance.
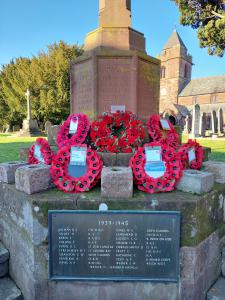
(27, 26)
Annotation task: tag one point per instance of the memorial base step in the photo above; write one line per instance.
(217, 291)
(8, 290)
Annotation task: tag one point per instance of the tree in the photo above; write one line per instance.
(47, 77)
(208, 17)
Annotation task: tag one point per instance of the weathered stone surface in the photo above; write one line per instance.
(8, 290)
(24, 231)
(194, 181)
(117, 182)
(217, 292)
(200, 267)
(33, 178)
(4, 257)
(217, 168)
(23, 153)
(115, 159)
(223, 262)
(104, 77)
(109, 159)
(108, 291)
(7, 170)
(52, 134)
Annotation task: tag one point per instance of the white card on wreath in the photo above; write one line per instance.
(191, 155)
(165, 124)
(78, 156)
(37, 153)
(153, 154)
(73, 126)
(118, 108)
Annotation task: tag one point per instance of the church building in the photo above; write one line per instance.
(179, 93)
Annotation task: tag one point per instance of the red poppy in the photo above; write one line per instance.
(45, 150)
(195, 164)
(117, 132)
(155, 130)
(64, 137)
(65, 182)
(152, 185)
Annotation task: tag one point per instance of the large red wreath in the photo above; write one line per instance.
(69, 184)
(157, 133)
(117, 132)
(199, 155)
(46, 152)
(65, 138)
(164, 183)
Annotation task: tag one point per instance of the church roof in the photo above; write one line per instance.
(174, 40)
(207, 85)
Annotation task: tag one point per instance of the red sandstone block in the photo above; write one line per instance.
(117, 182)
(33, 179)
(7, 170)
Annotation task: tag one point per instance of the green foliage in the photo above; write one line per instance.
(208, 17)
(46, 76)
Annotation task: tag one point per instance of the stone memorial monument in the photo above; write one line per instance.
(115, 69)
(214, 124)
(30, 125)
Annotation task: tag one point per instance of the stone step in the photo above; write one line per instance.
(4, 261)
(8, 290)
(217, 291)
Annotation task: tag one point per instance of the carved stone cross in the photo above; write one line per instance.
(27, 94)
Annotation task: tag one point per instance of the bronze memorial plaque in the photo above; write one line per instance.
(114, 245)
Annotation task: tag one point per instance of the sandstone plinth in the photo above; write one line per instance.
(7, 170)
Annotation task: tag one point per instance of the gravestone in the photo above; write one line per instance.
(220, 121)
(47, 125)
(203, 124)
(214, 124)
(186, 125)
(115, 69)
(195, 131)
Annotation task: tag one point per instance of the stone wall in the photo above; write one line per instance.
(23, 229)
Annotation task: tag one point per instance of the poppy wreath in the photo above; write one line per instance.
(117, 132)
(46, 152)
(195, 164)
(165, 183)
(65, 138)
(156, 132)
(69, 184)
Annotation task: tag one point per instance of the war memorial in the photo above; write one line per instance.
(113, 206)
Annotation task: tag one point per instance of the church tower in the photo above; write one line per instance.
(176, 69)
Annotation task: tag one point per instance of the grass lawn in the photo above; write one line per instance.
(10, 146)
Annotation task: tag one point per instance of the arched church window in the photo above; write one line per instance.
(163, 72)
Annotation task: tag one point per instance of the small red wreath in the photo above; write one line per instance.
(65, 138)
(46, 152)
(164, 183)
(157, 133)
(117, 132)
(195, 164)
(69, 184)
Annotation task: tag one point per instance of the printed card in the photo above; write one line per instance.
(153, 154)
(155, 169)
(191, 155)
(78, 156)
(165, 124)
(116, 108)
(37, 153)
(73, 126)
